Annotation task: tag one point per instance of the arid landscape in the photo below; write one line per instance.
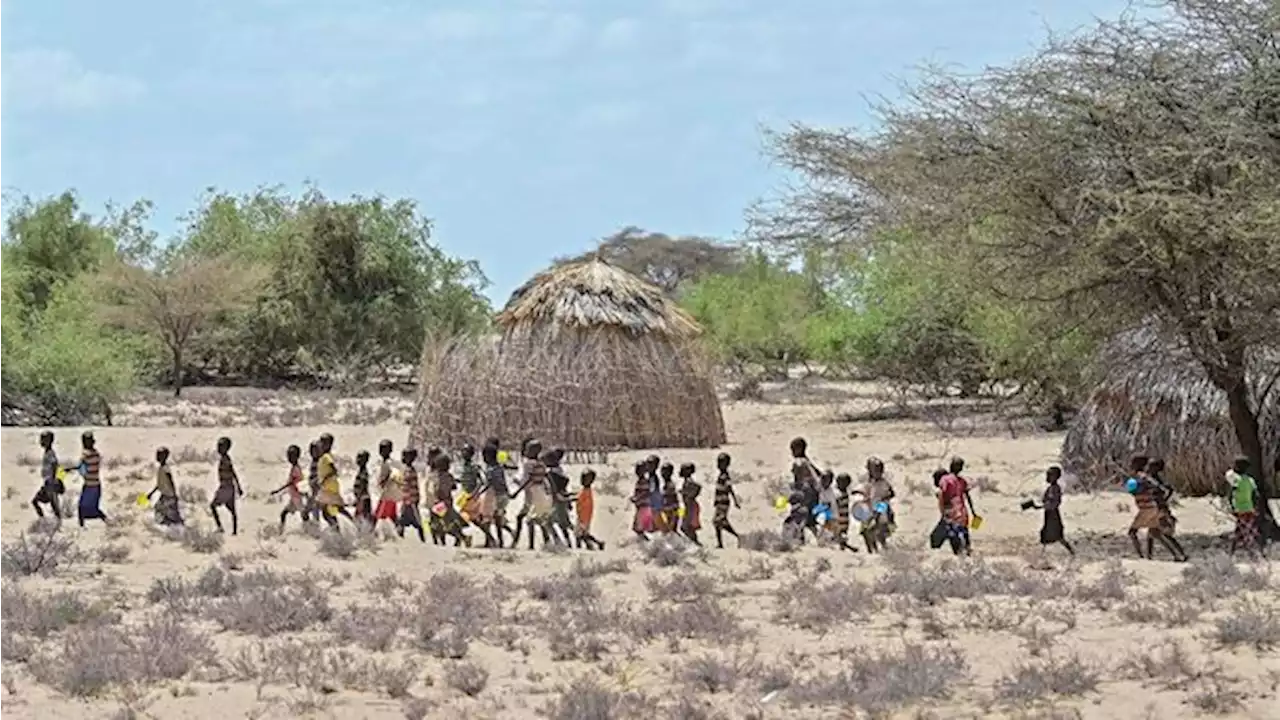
(129, 621)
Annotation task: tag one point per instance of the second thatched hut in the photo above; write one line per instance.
(1155, 399)
(590, 357)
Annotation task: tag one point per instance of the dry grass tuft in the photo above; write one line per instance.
(114, 553)
(1248, 623)
(586, 698)
(812, 604)
(687, 586)
(767, 541)
(1032, 682)
(882, 681)
(42, 553)
(468, 678)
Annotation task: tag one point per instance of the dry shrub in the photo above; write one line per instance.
(1111, 587)
(705, 619)
(317, 665)
(114, 553)
(1170, 664)
(563, 588)
(451, 609)
(1248, 623)
(591, 568)
(667, 550)
(1215, 696)
(386, 583)
(1032, 682)
(685, 586)
(1217, 576)
(415, 708)
(91, 659)
(711, 674)
(767, 541)
(995, 616)
(468, 678)
(373, 628)
(197, 538)
(1168, 611)
(963, 579)
(260, 602)
(336, 545)
(41, 553)
(193, 495)
(881, 681)
(42, 614)
(586, 698)
(813, 604)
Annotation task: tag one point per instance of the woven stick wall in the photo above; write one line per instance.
(591, 358)
(1156, 401)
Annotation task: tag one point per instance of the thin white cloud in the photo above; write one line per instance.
(43, 78)
(618, 34)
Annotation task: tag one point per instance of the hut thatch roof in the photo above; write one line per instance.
(1154, 399)
(590, 358)
(591, 293)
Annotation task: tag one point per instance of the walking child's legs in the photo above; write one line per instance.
(213, 509)
(1137, 547)
(1067, 545)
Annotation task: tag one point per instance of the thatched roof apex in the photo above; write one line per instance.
(591, 293)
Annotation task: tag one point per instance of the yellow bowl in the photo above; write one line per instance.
(975, 523)
(143, 501)
(503, 457)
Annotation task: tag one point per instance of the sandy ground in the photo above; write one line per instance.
(266, 625)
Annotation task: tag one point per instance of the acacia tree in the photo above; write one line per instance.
(669, 262)
(176, 299)
(1125, 176)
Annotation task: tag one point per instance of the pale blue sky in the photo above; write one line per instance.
(526, 129)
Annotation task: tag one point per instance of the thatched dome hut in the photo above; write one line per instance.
(590, 357)
(1155, 400)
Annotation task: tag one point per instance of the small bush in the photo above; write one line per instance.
(41, 614)
(767, 541)
(681, 587)
(1248, 623)
(586, 698)
(197, 539)
(711, 674)
(881, 681)
(705, 619)
(336, 545)
(114, 553)
(373, 628)
(1068, 676)
(41, 553)
(1170, 611)
(468, 678)
(811, 604)
(563, 588)
(1215, 577)
(262, 603)
(666, 550)
(590, 568)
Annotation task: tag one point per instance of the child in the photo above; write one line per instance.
(495, 475)
(228, 487)
(1244, 501)
(293, 486)
(313, 481)
(360, 486)
(805, 479)
(90, 468)
(586, 507)
(409, 495)
(642, 524)
(1148, 515)
(827, 497)
(168, 511)
(668, 519)
(51, 485)
(843, 482)
(433, 524)
(390, 490)
(798, 516)
(330, 499)
(520, 483)
(445, 519)
(469, 471)
(880, 490)
(690, 488)
(955, 504)
(537, 494)
(724, 495)
(1052, 531)
(561, 498)
(1164, 499)
(652, 464)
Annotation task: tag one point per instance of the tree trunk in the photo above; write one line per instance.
(177, 371)
(1245, 423)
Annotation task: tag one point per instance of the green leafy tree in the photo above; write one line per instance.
(669, 262)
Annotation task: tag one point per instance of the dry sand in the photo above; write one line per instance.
(734, 633)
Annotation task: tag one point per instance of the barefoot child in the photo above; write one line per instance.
(690, 488)
(642, 522)
(1244, 499)
(586, 507)
(724, 495)
(561, 497)
(495, 475)
(292, 486)
(329, 498)
(90, 507)
(880, 490)
(390, 490)
(1148, 516)
(360, 486)
(1052, 531)
(51, 485)
(228, 487)
(1164, 501)
(168, 511)
(313, 481)
(537, 493)
(668, 519)
(843, 483)
(409, 495)
(444, 517)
